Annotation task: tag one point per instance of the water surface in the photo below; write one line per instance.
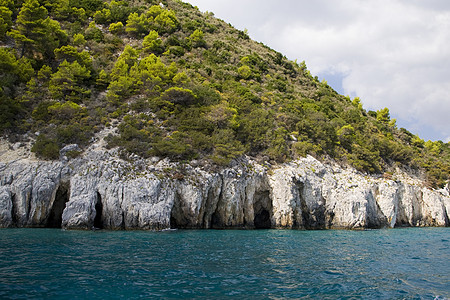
(411, 263)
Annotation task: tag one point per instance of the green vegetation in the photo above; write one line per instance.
(182, 84)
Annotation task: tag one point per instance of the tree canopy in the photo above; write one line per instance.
(179, 83)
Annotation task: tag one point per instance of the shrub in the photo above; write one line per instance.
(41, 113)
(176, 51)
(93, 33)
(303, 148)
(206, 95)
(364, 159)
(226, 147)
(222, 116)
(197, 39)
(120, 10)
(68, 83)
(176, 146)
(155, 18)
(73, 134)
(9, 110)
(346, 136)
(116, 28)
(78, 39)
(253, 129)
(71, 54)
(136, 24)
(45, 147)
(245, 72)
(13, 72)
(152, 43)
(279, 84)
(66, 112)
(5, 21)
(278, 148)
(165, 21)
(102, 16)
(179, 95)
(90, 6)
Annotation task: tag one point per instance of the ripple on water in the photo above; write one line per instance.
(237, 264)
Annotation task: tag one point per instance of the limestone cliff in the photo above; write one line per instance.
(100, 190)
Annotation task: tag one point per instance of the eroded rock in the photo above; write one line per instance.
(99, 190)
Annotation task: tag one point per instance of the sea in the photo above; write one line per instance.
(404, 263)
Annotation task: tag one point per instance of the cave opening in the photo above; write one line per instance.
(98, 220)
(54, 219)
(216, 222)
(175, 222)
(262, 209)
(262, 220)
(13, 210)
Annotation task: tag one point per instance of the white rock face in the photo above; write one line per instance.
(6, 208)
(100, 190)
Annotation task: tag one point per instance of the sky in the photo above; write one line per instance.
(390, 53)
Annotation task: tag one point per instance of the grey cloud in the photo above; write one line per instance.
(391, 53)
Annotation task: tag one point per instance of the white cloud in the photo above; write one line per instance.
(390, 53)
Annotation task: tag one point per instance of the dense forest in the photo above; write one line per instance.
(179, 83)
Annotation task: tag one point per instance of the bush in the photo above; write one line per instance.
(152, 43)
(120, 10)
(245, 72)
(253, 129)
(197, 39)
(279, 84)
(90, 6)
(69, 82)
(116, 28)
(13, 72)
(176, 51)
(223, 116)
(346, 136)
(93, 33)
(73, 134)
(226, 147)
(9, 111)
(78, 39)
(45, 147)
(364, 159)
(179, 95)
(278, 148)
(178, 145)
(303, 148)
(102, 16)
(41, 113)
(5, 21)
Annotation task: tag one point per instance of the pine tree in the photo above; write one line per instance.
(68, 83)
(35, 32)
(5, 21)
(29, 25)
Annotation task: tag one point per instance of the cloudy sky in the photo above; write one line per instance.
(390, 53)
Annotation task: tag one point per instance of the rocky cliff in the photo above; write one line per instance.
(100, 190)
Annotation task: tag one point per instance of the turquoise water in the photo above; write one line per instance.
(411, 263)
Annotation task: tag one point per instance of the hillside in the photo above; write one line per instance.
(182, 84)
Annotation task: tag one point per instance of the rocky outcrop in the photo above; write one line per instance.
(100, 190)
